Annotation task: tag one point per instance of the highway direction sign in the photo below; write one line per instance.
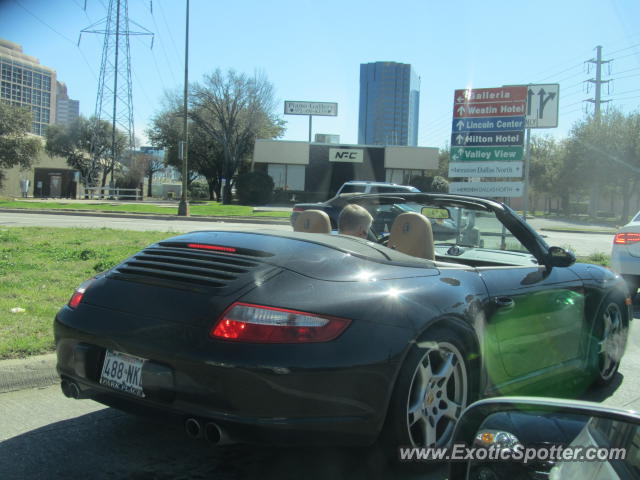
(489, 109)
(487, 138)
(500, 94)
(466, 154)
(542, 105)
(485, 169)
(329, 109)
(488, 189)
(480, 139)
(492, 124)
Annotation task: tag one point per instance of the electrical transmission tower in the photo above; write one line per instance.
(598, 82)
(114, 101)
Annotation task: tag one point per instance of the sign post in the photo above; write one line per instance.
(325, 109)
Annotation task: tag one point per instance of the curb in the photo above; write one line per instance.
(590, 232)
(151, 216)
(31, 372)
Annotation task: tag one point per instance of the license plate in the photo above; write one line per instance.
(122, 372)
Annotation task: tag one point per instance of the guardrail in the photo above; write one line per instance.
(102, 193)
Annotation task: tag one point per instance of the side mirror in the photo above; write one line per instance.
(534, 438)
(559, 257)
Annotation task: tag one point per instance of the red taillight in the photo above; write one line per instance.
(244, 322)
(217, 248)
(76, 298)
(298, 209)
(626, 238)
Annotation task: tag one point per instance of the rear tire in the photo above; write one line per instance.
(432, 390)
(610, 338)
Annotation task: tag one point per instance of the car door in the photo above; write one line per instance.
(535, 319)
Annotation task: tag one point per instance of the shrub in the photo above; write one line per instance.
(198, 191)
(254, 188)
(430, 184)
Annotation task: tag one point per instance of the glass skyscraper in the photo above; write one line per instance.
(389, 104)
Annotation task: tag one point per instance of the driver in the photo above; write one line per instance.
(354, 220)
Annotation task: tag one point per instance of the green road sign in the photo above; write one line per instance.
(478, 154)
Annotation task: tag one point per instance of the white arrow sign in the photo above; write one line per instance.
(542, 105)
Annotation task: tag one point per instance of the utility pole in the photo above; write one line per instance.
(183, 207)
(597, 101)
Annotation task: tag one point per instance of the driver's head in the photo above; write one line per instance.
(354, 220)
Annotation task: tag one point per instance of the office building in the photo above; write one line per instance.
(319, 169)
(389, 104)
(67, 110)
(26, 83)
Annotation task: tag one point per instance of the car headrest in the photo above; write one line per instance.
(312, 221)
(411, 234)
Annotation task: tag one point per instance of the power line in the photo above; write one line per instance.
(173, 42)
(43, 22)
(624, 49)
(626, 56)
(164, 52)
(59, 34)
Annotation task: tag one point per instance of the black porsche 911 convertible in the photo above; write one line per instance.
(297, 337)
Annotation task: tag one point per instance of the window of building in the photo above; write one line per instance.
(402, 176)
(6, 72)
(288, 177)
(16, 75)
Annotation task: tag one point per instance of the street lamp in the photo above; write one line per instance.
(183, 207)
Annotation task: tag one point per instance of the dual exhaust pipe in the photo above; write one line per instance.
(70, 389)
(211, 431)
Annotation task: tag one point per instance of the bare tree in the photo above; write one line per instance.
(234, 110)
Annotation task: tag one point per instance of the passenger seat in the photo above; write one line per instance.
(411, 233)
(312, 221)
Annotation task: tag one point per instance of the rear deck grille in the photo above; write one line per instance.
(179, 264)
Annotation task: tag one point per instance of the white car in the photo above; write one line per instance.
(625, 253)
(356, 186)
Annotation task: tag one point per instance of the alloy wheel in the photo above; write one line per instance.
(437, 395)
(611, 345)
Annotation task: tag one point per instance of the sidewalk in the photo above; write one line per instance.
(30, 372)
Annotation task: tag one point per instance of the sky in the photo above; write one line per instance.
(312, 51)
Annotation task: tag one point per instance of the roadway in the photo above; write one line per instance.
(582, 244)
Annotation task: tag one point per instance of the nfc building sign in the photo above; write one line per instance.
(346, 155)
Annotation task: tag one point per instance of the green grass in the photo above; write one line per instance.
(204, 209)
(597, 258)
(39, 270)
